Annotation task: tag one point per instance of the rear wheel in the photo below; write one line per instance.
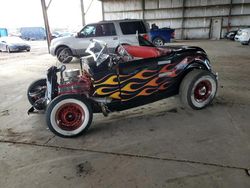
(158, 41)
(69, 115)
(64, 55)
(198, 89)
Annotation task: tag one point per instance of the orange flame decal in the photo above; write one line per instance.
(163, 86)
(109, 81)
(129, 88)
(100, 91)
(116, 95)
(146, 92)
(140, 75)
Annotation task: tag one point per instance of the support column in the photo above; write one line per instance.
(183, 18)
(143, 9)
(46, 23)
(83, 14)
(229, 16)
(103, 15)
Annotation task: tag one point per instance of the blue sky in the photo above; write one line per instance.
(61, 13)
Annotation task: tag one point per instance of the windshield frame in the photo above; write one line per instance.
(99, 57)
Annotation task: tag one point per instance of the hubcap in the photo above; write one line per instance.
(202, 90)
(64, 55)
(70, 116)
(159, 42)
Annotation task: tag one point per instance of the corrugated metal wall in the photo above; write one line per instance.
(191, 18)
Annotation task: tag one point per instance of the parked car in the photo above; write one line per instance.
(243, 36)
(13, 44)
(107, 82)
(161, 36)
(230, 34)
(112, 32)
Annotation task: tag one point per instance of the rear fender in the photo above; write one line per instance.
(197, 64)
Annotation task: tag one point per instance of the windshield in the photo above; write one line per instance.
(98, 50)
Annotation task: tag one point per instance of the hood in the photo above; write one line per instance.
(18, 44)
(65, 38)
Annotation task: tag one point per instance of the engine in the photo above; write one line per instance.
(72, 82)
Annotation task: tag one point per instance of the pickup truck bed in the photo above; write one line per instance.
(161, 36)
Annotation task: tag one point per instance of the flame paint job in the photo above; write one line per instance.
(146, 81)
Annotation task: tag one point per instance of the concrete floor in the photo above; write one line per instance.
(156, 145)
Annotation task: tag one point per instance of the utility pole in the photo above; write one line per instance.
(46, 22)
(83, 14)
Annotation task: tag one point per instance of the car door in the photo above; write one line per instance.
(102, 31)
(138, 79)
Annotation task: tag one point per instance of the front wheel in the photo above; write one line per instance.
(69, 115)
(198, 89)
(64, 55)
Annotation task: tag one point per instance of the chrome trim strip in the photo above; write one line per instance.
(164, 62)
(165, 74)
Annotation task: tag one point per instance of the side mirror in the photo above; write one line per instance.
(78, 34)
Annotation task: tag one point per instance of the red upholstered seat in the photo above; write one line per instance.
(145, 51)
(142, 51)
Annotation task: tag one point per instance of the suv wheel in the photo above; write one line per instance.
(64, 55)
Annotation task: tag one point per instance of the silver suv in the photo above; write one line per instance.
(112, 32)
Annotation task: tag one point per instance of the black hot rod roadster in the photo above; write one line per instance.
(130, 77)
